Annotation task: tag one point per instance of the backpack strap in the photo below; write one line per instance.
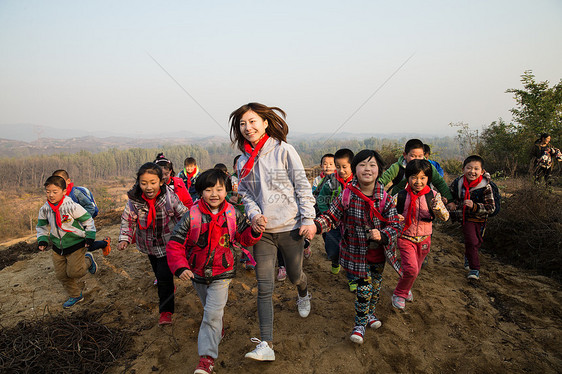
(401, 201)
(194, 223)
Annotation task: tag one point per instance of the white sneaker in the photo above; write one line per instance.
(357, 334)
(263, 351)
(303, 305)
(373, 322)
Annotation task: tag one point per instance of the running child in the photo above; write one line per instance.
(473, 202)
(327, 162)
(189, 176)
(175, 183)
(371, 226)
(149, 217)
(395, 173)
(279, 202)
(333, 187)
(83, 196)
(72, 232)
(419, 204)
(208, 259)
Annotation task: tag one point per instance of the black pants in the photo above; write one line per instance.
(165, 280)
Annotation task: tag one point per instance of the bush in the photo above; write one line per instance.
(528, 230)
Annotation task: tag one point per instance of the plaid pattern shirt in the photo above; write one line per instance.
(482, 196)
(153, 240)
(355, 222)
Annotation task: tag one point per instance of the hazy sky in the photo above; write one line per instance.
(88, 64)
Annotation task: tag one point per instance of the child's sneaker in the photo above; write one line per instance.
(263, 351)
(155, 283)
(374, 322)
(107, 249)
(335, 269)
(165, 318)
(410, 297)
(93, 266)
(303, 305)
(72, 301)
(474, 274)
(249, 266)
(282, 274)
(398, 302)
(352, 285)
(307, 252)
(357, 334)
(466, 265)
(206, 365)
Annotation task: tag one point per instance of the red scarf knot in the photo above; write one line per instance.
(373, 212)
(55, 209)
(344, 182)
(215, 229)
(151, 217)
(412, 207)
(249, 165)
(467, 186)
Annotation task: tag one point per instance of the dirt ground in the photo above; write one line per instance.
(509, 321)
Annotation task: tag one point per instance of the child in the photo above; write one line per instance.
(83, 196)
(175, 183)
(395, 173)
(149, 217)
(234, 175)
(419, 204)
(370, 225)
(336, 183)
(327, 162)
(427, 154)
(474, 199)
(189, 176)
(209, 260)
(72, 231)
(279, 202)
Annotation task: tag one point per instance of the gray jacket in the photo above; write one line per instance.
(277, 187)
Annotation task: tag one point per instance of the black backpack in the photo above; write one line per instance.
(478, 195)
(401, 201)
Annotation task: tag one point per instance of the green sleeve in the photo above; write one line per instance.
(324, 197)
(439, 183)
(389, 174)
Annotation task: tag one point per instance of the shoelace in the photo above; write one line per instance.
(301, 300)
(256, 340)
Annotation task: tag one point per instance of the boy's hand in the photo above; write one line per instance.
(469, 204)
(42, 247)
(451, 206)
(186, 275)
(400, 218)
(308, 231)
(374, 234)
(122, 245)
(444, 200)
(259, 223)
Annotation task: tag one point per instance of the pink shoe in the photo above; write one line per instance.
(282, 274)
(398, 302)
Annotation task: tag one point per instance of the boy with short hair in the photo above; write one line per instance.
(395, 173)
(327, 162)
(79, 196)
(189, 175)
(333, 187)
(427, 154)
(72, 231)
(473, 202)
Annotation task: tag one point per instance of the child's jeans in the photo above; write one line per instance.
(368, 290)
(472, 241)
(411, 257)
(332, 245)
(165, 284)
(213, 296)
(69, 269)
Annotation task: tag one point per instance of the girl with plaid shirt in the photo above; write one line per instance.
(149, 218)
(370, 228)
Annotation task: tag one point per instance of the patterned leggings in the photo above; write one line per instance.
(368, 293)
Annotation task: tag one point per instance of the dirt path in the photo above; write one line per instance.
(510, 321)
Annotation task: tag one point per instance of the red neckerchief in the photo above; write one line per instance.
(55, 209)
(412, 207)
(69, 188)
(253, 153)
(344, 183)
(372, 210)
(467, 186)
(322, 175)
(151, 217)
(189, 176)
(215, 230)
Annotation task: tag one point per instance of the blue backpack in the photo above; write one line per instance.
(86, 192)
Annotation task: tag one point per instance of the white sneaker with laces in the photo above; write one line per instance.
(263, 351)
(303, 305)
(357, 334)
